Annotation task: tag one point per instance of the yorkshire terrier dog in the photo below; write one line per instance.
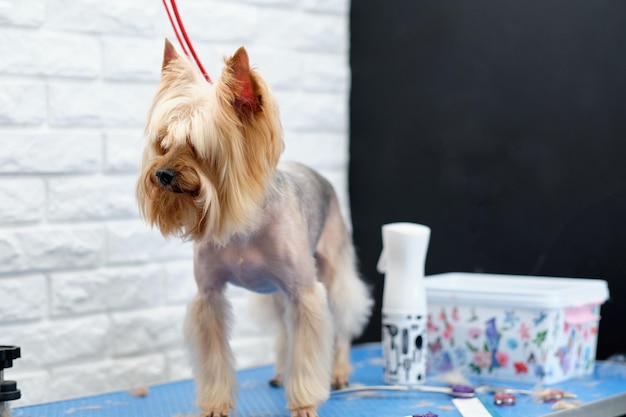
(210, 172)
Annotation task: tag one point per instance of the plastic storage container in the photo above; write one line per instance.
(522, 328)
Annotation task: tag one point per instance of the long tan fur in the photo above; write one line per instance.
(188, 111)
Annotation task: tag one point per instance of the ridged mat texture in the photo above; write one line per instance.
(257, 399)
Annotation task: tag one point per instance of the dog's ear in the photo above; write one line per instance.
(169, 54)
(247, 100)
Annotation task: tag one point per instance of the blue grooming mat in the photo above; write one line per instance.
(602, 394)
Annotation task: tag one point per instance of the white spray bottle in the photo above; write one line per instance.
(404, 313)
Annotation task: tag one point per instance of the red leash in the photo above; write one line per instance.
(183, 40)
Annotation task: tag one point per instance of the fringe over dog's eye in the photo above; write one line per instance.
(159, 149)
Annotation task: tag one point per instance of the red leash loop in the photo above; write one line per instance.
(183, 40)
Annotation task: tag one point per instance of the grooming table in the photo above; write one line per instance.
(602, 394)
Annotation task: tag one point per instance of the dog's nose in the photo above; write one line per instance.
(165, 176)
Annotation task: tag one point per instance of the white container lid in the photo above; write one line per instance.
(530, 292)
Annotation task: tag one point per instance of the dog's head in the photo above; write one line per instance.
(211, 149)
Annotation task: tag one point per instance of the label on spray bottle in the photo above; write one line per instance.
(404, 348)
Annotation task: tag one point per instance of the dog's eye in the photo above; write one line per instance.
(192, 149)
(159, 149)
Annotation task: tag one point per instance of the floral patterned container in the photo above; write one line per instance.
(522, 328)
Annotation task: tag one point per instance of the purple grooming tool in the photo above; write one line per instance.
(462, 391)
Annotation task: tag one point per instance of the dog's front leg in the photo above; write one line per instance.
(209, 318)
(309, 359)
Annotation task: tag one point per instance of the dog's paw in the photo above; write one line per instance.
(339, 380)
(338, 384)
(277, 381)
(304, 412)
(216, 410)
(216, 413)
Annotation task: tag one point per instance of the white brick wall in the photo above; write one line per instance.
(94, 297)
